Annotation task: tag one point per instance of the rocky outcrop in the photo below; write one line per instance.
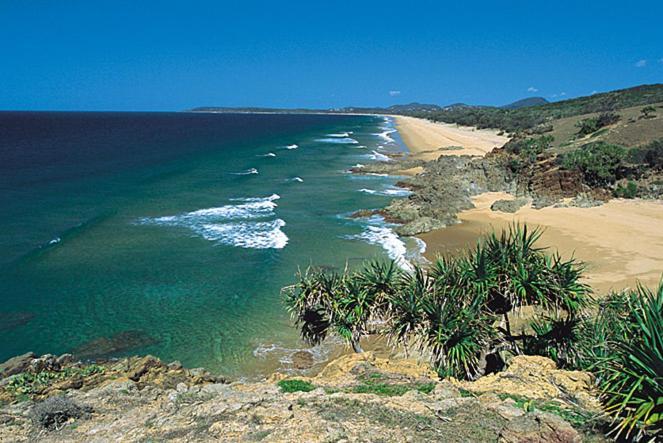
(357, 397)
(444, 189)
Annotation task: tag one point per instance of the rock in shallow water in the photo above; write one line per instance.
(104, 347)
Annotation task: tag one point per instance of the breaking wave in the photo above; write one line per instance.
(214, 224)
(249, 171)
(340, 141)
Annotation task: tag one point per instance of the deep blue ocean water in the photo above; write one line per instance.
(172, 233)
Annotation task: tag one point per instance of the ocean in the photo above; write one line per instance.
(173, 233)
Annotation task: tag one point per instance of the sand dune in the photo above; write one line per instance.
(428, 140)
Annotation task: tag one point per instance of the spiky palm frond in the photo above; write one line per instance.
(455, 336)
(632, 384)
(555, 338)
(406, 304)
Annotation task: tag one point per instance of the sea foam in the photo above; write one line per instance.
(386, 238)
(233, 225)
(249, 171)
(340, 141)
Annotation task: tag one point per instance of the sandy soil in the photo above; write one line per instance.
(621, 241)
(427, 140)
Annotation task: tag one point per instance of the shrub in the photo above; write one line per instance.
(631, 376)
(55, 412)
(598, 162)
(589, 125)
(648, 112)
(628, 191)
(529, 148)
(449, 312)
(295, 386)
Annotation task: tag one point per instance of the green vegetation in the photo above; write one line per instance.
(628, 191)
(295, 385)
(29, 383)
(623, 346)
(527, 118)
(650, 155)
(600, 163)
(590, 125)
(648, 112)
(457, 312)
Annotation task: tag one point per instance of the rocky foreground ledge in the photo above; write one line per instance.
(358, 397)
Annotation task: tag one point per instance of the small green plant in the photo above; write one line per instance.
(648, 112)
(590, 125)
(628, 191)
(295, 385)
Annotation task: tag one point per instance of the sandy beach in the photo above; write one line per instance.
(428, 140)
(621, 242)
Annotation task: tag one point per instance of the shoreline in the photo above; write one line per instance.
(620, 241)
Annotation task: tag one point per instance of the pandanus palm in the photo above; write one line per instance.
(632, 378)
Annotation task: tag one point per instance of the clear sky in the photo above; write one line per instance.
(172, 55)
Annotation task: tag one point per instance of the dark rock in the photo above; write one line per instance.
(12, 320)
(143, 366)
(65, 359)
(509, 206)
(104, 347)
(55, 412)
(363, 213)
(16, 365)
(201, 375)
(46, 362)
(302, 360)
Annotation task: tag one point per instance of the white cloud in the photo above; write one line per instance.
(394, 93)
(660, 60)
(641, 63)
(532, 89)
(594, 92)
(562, 94)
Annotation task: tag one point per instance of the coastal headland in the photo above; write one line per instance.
(620, 240)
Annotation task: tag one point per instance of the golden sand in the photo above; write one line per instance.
(428, 140)
(621, 242)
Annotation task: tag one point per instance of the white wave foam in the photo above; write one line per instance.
(270, 198)
(360, 147)
(340, 135)
(254, 235)
(213, 223)
(56, 240)
(285, 355)
(389, 241)
(293, 146)
(340, 141)
(385, 135)
(296, 179)
(378, 157)
(392, 191)
(249, 171)
(269, 154)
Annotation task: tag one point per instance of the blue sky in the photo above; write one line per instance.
(172, 55)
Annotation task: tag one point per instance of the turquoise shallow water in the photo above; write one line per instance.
(172, 234)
